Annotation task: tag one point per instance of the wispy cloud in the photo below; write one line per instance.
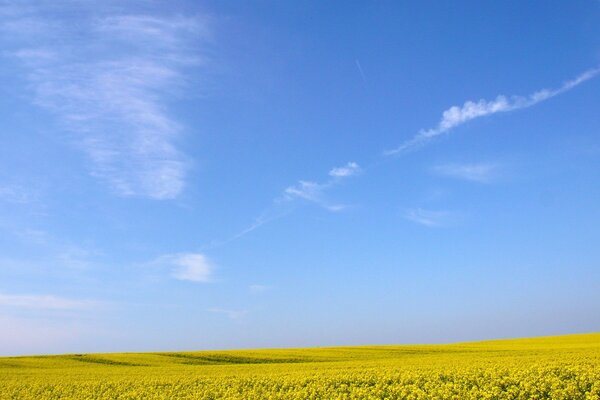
(308, 191)
(45, 302)
(314, 192)
(109, 78)
(458, 115)
(429, 218)
(347, 170)
(193, 267)
(482, 173)
(273, 213)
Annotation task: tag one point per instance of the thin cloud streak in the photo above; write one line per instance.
(111, 90)
(311, 192)
(270, 215)
(360, 71)
(308, 191)
(428, 218)
(314, 192)
(458, 115)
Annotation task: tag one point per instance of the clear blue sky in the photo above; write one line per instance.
(227, 174)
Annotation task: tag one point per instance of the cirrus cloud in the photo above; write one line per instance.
(108, 80)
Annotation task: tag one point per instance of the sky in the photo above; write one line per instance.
(191, 175)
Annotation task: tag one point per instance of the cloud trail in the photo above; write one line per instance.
(314, 192)
(428, 218)
(308, 191)
(360, 71)
(458, 115)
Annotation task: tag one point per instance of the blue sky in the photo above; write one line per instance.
(199, 175)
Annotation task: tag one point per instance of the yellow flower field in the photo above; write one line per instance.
(565, 367)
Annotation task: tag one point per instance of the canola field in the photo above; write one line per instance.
(563, 367)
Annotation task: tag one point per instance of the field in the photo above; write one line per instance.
(563, 367)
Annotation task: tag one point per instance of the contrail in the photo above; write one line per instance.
(360, 70)
(456, 115)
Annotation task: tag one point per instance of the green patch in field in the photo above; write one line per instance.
(97, 360)
(223, 359)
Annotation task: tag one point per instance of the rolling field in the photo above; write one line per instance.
(563, 367)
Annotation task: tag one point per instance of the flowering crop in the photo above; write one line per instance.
(566, 367)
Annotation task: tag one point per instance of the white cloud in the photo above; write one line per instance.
(194, 267)
(347, 170)
(47, 302)
(312, 192)
(306, 190)
(483, 173)
(315, 192)
(427, 218)
(458, 115)
(111, 88)
(164, 32)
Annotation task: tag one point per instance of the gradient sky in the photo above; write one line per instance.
(225, 174)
